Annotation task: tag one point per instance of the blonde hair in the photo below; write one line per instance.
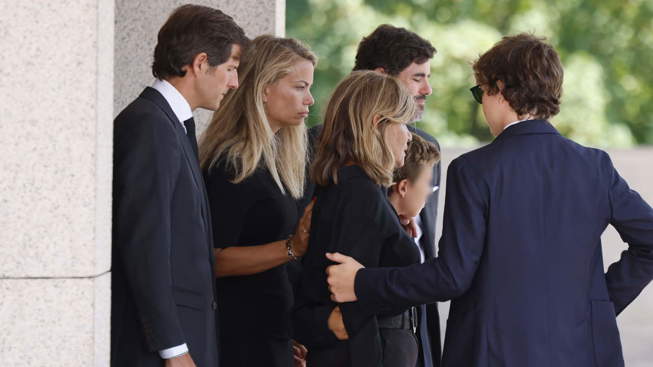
(240, 129)
(349, 135)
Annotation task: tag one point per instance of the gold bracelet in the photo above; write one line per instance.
(289, 248)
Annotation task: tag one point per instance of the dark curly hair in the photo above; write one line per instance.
(392, 49)
(190, 30)
(530, 70)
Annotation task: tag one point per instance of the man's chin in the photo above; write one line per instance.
(418, 116)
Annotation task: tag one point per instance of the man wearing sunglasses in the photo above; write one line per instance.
(520, 254)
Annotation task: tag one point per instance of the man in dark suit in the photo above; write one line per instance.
(163, 293)
(520, 253)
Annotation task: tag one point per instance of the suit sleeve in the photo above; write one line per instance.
(632, 217)
(311, 323)
(359, 238)
(448, 275)
(147, 163)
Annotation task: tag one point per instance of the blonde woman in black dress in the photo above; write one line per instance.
(253, 155)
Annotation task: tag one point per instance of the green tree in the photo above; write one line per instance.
(605, 46)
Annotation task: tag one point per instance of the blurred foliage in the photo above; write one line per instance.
(606, 47)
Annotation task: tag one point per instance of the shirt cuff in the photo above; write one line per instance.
(174, 351)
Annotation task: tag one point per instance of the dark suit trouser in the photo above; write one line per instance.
(425, 355)
(399, 348)
(334, 356)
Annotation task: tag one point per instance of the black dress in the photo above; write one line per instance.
(355, 218)
(253, 310)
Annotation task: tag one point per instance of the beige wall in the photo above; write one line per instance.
(137, 24)
(66, 69)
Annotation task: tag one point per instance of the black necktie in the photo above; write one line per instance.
(190, 132)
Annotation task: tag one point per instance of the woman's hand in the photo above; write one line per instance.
(300, 239)
(299, 354)
(248, 260)
(337, 325)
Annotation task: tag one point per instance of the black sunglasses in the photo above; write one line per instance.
(477, 92)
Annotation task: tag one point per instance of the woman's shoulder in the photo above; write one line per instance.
(354, 179)
(224, 172)
(221, 169)
(355, 188)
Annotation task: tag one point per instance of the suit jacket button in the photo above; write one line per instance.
(214, 304)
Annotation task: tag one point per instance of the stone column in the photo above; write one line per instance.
(67, 68)
(56, 111)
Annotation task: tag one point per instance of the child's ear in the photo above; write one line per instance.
(402, 187)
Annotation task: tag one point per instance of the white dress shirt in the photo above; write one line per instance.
(516, 122)
(177, 102)
(182, 110)
(420, 233)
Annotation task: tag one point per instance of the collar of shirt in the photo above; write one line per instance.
(420, 233)
(516, 122)
(177, 102)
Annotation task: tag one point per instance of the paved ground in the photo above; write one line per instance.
(636, 322)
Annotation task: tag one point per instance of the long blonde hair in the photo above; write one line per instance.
(349, 135)
(240, 129)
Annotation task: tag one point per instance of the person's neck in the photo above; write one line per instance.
(512, 118)
(275, 127)
(394, 200)
(185, 88)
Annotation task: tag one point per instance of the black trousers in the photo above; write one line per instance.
(399, 350)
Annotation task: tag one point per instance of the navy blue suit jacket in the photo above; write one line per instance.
(163, 291)
(520, 255)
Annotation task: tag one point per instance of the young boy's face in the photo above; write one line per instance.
(417, 191)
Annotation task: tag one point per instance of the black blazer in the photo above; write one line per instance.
(521, 255)
(353, 217)
(429, 318)
(162, 278)
(428, 215)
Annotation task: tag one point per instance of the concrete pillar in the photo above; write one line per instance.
(56, 105)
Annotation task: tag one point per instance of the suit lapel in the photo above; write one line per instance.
(154, 96)
(189, 153)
